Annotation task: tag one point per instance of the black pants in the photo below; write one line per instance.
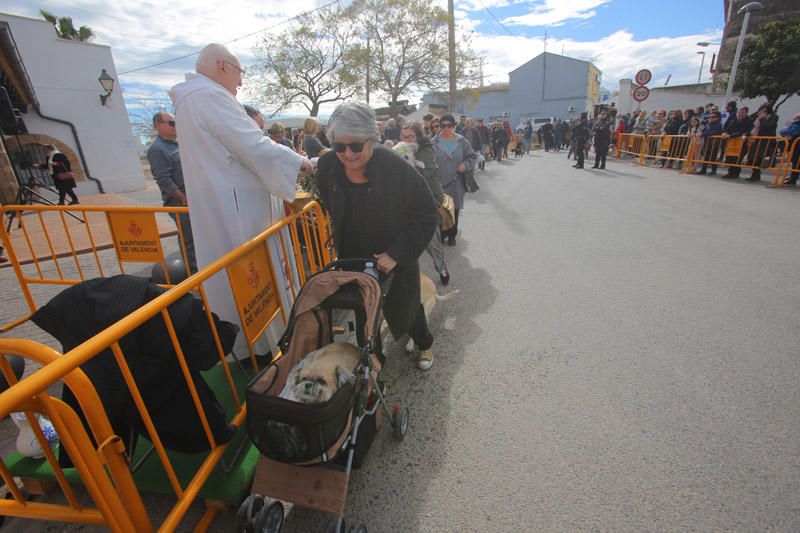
(454, 230)
(710, 154)
(498, 151)
(579, 153)
(600, 153)
(63, 192)
(419, 331)
(186, 228)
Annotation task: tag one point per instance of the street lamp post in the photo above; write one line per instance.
(702, 61)
(746, 9)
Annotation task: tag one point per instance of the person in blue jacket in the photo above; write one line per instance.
(792, 133)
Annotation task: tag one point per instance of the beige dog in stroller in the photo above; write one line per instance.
(321, 373)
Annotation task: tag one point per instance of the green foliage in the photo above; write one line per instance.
(770, 63)
(65, 28)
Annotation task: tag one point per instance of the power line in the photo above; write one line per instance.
(232, 40)
(497, 20)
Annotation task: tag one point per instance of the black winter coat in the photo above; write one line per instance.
(738, 128)
(82, 311)
(408, 219)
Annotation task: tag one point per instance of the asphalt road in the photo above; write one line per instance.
(623, 356)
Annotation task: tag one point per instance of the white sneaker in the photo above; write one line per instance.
(425, 359)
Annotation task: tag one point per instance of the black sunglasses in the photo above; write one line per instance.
(355, 147)
(446, 124)
(170, 122)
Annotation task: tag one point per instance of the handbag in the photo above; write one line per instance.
(447, 213)
(63, 176)
(470, 185)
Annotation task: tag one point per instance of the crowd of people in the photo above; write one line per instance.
(380, 206)
(711, 130)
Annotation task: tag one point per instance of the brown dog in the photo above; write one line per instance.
(428, 297)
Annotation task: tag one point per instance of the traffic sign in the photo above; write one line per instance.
(641, 93)
(643, 77)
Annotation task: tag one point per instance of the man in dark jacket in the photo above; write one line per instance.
(737, 129)
(765, 124)
(580, 134)
(711, 131)
(601, 131)
(381, 208)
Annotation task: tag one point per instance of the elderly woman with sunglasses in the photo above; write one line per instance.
(455, 157)
(381, 208)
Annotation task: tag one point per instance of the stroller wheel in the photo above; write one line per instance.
(270, 519)
(331, 527)
(250, 509)
(400, 424)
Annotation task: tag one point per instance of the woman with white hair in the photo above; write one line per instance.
(381, 208)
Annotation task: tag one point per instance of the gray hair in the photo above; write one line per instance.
(207, 60)
(353, 119)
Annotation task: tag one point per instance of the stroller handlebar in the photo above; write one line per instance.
(366, 265)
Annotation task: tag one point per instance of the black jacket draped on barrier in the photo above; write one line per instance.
(84, 310)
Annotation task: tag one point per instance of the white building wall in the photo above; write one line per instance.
(64, 76)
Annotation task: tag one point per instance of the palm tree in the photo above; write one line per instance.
(65, 29)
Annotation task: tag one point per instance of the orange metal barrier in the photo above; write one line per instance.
(631, 144)
(132, 231)
(103, 467)
(765, 153)
(790, 168)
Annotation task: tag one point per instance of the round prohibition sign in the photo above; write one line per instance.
(643, 77)
(640, 94)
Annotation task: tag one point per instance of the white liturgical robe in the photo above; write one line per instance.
(236, 179)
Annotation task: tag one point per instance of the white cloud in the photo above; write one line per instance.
(556, 12)
(145, 32)
(618, 55)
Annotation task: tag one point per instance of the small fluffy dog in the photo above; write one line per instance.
(428, 297)
(320, 373)
(408, 152)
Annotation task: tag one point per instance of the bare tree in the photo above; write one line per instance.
(141, 114)
(408, 47)
(314, 62)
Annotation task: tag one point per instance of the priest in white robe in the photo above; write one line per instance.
(236, 178)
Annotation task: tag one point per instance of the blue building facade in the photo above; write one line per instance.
(549, 85)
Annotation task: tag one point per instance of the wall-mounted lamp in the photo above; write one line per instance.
(107, 82)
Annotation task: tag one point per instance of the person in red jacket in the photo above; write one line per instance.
(619, 130)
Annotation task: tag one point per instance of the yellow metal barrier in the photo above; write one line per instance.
(131, 231)
(102, 467)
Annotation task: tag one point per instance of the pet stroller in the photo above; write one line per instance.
(308, 450)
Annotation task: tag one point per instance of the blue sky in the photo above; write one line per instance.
(620, 35)
(646, 19)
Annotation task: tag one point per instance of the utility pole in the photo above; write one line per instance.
(451, 45)
(481, 69)
(369, 59)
